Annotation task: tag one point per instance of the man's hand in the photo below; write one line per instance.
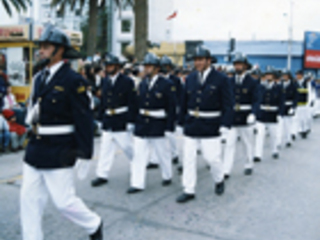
(251, 119)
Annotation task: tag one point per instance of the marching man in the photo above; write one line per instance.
(62, 132)
(271, 109)
(290, 104)
(246, 98)
(206, 114)
(303, 112)
(118, 113)
(156, 103)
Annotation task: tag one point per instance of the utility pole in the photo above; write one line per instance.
(290, 30)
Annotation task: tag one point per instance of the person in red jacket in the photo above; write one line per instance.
(18, 133)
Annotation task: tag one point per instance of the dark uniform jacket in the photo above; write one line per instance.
(160, 97)
(120, 95)
(63, 101)
(272, 103)
(213, 96)
(291, 97)
(247, 99)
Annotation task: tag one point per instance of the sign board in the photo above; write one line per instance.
(14, 33)
(312, 50)
(16, 67)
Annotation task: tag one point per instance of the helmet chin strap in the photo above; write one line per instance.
(44, 62)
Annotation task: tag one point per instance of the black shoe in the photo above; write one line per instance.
(248, 171)
(98, 235)
(226, 176)
(185, 197)
(166, 182)
(293, 137)
(304, 135)
(257, 159)
(133, 190)
(152, 166)
(219, 188)
(175, 160)
(198, 152)
(208, 167)
(98, 182)
(288, 145)
(180, 170)
(275, 156)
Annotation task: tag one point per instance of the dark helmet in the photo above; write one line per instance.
(166, 61)
(214, 60)
(201, 52)
(255, 71)
(57, 37)
(151, 59)
(111, 59)
(300, 72)
(286, 72)
(240, 58)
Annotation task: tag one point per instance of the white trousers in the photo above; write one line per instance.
(260, 138)
(143, 147)
(211, 152)
(246, 135)
(60, 185)
(175, 150)
(110, 142)
(279, 132)
(287, 125)
(303, 118)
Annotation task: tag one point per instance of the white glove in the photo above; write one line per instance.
(291, 111)
(32, 114)
(179, 130)
(251, 119)
(168, 134)
(224, 132)
(279, 118)
(82, 168)
(130, 127)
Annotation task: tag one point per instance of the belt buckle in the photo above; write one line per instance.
(35, 129)
(196, 113)
(112, 112)
(146, 113)
(268, 108)
(237, 107)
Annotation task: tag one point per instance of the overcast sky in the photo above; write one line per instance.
(242, 19)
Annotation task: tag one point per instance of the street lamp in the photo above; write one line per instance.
(290, 31)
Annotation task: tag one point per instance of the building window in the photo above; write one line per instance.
(125, 26)
(123, 46)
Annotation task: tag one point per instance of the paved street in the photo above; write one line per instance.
(281, 201)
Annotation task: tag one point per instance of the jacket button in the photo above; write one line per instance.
(147, 104)
(38, 137)
(147, 120)
(53, 101)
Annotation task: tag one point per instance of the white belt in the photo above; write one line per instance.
(116, 111)
(268, 108)
(153, 113)
(242, 107)
(288, 103)
(196, 113)
(55, 130)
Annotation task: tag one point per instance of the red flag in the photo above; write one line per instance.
(172, 15)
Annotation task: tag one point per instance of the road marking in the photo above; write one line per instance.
(10, 180)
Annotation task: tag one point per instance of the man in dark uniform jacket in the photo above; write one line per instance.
(206, 114)
(156, 114)
(166, 68)
(246, 99)
(270, 112)
(117, 115)
(290, 90)
(62, 122)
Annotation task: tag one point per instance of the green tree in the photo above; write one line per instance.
(19, 5)
(140, 8)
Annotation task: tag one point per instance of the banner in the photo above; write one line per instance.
(312, 50)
